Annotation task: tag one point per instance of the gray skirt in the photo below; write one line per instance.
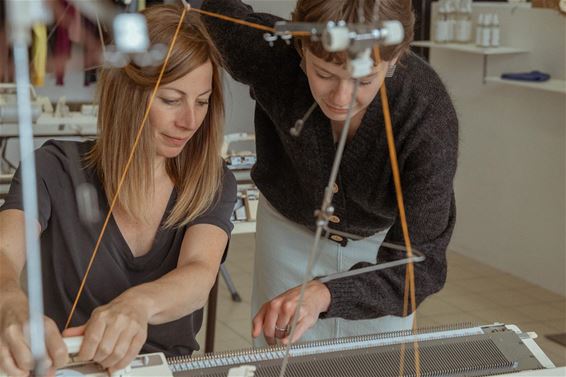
(282, 249)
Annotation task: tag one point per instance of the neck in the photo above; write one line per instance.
(159, 167)
(355, 123)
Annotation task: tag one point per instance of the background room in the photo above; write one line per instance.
(504, 66)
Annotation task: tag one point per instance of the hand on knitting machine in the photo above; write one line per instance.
(275, 317)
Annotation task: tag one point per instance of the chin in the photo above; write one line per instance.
(169, 152)
(333, 116)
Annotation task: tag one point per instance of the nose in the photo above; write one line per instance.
(341, 96)
(186, 118)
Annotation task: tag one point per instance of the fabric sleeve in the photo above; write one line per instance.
(427, 180)
(247, 56)
(221, 210)
(44, 174)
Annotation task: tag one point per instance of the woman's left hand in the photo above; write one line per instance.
(275, 316)
(114, 334)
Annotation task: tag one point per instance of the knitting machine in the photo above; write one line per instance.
(447, 351)
(47, 120)
(459, 350)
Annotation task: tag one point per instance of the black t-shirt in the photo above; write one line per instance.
(67, 244)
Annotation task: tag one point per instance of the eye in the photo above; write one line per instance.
(203, 102)
(324, 76)
(170, 102)
(364, 83)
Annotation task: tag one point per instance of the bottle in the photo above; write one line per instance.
(451, 15)
(464, 28)
(486, 31)
(441, 25)
(495, 31)
(479, 29)
(458, 18)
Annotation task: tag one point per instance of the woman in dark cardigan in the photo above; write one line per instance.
(291, 172)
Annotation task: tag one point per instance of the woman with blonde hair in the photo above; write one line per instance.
(160, 254)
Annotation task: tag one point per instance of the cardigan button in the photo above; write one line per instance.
(335, 188)
(334, 219)
(336, 238)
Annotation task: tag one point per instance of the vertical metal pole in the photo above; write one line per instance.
(20, 38)
(321, 221)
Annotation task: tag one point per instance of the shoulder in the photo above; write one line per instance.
(421, 97)
(61, 155)
(424, 116)
(229, 186)
(64, 149)
(417, 82)
(220, 211)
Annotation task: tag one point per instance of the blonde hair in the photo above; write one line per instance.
(123, 95)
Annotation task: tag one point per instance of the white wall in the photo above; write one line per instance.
(510, 184)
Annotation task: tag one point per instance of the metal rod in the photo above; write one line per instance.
(299, 124)
(329, 194)
(33, 256)
(377, 267)
(322, 220)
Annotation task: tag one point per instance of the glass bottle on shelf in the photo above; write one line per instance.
(441, 30)
(451, 19)
(486, 31)
(495, 31)
(464, 25)
(479, 29)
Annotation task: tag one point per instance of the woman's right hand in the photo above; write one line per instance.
(15, 355)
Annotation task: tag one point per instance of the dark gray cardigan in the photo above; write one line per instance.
(292, 172)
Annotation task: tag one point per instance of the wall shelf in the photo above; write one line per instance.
(553, 85)
(471, 48)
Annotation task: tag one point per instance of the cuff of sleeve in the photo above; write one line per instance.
(343, 295)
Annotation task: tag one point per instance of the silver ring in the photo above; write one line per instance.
(281, 332)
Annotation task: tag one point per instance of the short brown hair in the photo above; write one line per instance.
(348, 10)
(124, 94)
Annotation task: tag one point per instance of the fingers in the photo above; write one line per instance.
(257, 322)
(51, 372)
(92, 337)
(56, 348)
(274, 318)
(134, 349)
(15, 354)
(8, 364)
(107, 345)
(285, 315)
(269, 320)
(303, 324)
(284, 319)
(15, 341)
(112, 339)
(122, 348)
(74, 331)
